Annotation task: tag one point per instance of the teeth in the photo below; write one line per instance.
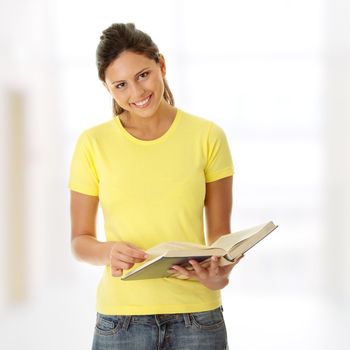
(142, 103)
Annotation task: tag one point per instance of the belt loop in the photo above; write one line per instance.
(126, 322)
(187, 320)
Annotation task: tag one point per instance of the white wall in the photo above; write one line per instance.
(274, 74)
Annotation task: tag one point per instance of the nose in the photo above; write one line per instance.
(137, 92)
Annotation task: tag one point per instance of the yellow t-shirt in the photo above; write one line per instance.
(151, 192)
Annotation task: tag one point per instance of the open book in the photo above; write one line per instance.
(229, 247)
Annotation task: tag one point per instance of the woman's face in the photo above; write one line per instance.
(136, 83)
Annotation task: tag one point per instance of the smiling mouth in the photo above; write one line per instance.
(143, 103)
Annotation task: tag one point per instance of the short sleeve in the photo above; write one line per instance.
(219, 160)
(83, 176)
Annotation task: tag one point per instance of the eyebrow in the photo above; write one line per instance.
(120, 81)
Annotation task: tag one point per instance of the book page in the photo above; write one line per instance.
(246, 244)
(169, 246)
(228, 241)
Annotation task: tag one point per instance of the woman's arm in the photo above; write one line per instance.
(218, 207)
(85, 246)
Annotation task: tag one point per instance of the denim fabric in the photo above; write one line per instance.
(198, 330)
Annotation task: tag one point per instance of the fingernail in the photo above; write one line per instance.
(146, 256)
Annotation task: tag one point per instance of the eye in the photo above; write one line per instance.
(120, 85)
(144, 75)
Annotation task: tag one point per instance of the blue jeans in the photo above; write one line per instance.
(190, 331)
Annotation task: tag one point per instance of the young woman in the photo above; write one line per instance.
(154, 169)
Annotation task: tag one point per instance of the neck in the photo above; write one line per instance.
(163, 117)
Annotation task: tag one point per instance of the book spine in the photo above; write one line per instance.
(228, 257)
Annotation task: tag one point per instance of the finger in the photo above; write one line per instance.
(181, 277)
(214, 266)
(126, 258)
(177, 274)
(116, 272)
(118, 264)
(131, 250)
(225, 270)
(181, 270)
(215, 260)
(198, 269)
(228, 268)
(206, 263)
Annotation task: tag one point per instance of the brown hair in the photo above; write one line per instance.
(120, 37)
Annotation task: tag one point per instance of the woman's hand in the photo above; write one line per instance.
(123, 256)
(213, 276)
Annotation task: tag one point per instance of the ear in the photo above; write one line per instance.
(162, 65)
